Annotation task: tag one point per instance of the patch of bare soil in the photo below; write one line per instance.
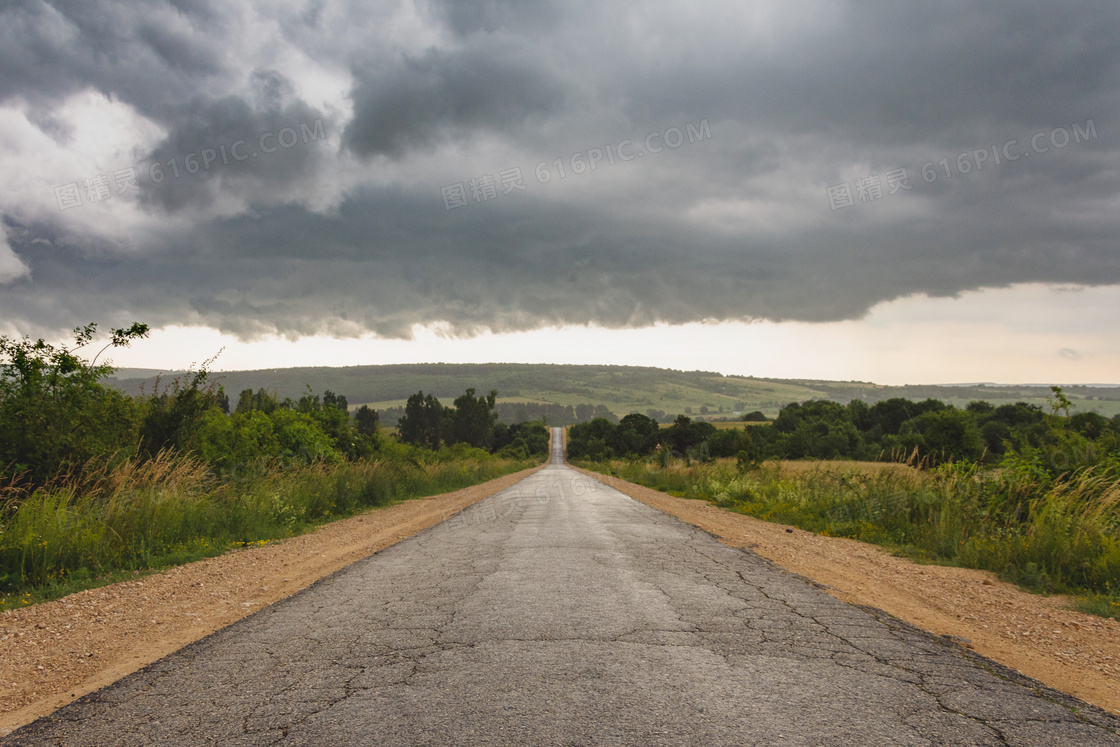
(1039, 636)
(54, 652)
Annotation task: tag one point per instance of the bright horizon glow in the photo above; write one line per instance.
(1014, 335)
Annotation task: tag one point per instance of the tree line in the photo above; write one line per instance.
(929, 431)
(57, 415)
(638, 435)
(471, 420)
(548, 413)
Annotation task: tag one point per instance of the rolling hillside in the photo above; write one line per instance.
(621, 389)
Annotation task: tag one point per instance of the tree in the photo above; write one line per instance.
(749, 455)
(366, 420)
(946, 435)
(789, 417)
(860, 415)
(602, 411)
(332, 414)
(473, 419)
(684, 434)
(521, 440)
(1059, 402)
(892, 413)
(1018, 415)
(337, 401)
(591, 440)
(54, 412)
(980, 408)
(175, 414)
(733, 442)
(636, 435)
(995, 433)
(262, 400)
(1092, 425)
(422, 421)
(818, 428)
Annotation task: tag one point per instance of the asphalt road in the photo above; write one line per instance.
(561, 612)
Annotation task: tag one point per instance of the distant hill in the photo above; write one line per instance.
(621, 389)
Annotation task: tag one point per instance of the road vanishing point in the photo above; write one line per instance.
(561, 612)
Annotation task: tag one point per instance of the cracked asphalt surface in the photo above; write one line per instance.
(561, 612)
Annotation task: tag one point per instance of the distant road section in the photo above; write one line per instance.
(557, 456)
(561, 612)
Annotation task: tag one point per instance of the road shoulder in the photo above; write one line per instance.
(1038, 636)
(55, 652)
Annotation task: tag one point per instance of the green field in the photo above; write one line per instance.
(622, 389)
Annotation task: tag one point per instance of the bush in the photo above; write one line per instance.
(54, 412)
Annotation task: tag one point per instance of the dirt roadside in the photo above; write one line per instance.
(54, 652)
(1038, 636)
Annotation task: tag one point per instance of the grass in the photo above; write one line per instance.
(1102, 605)
(1047, 535)
(97, 526)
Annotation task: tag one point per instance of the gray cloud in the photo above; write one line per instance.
(442, 94)
(11, 266)
(521, 265)
(466, 17)
(150, 55)
(237, 151)
(737, 226)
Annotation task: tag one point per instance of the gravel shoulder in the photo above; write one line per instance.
(1039, 636)
(55, 652)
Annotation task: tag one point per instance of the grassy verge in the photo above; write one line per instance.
(101, 527)
(1045, 535)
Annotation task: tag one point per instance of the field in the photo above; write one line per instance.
(622, 389)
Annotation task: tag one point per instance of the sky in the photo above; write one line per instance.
(900, 193)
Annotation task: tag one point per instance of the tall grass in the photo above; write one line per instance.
(141, 514)
(1044, 533)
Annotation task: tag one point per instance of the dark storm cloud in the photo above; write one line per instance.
(467, 17)
(149, 54)
(889, 74)
(442, 94)
(242, 151)
(738, 226)
(522, 265)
